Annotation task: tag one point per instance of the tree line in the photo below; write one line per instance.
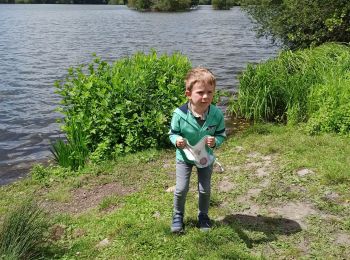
(142, 5)
(101, 2)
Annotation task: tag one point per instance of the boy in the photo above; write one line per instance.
(195, 120)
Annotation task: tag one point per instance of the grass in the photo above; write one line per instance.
(249, 204)
(22, 232)
(73, 153)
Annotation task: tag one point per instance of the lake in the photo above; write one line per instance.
(38, 43)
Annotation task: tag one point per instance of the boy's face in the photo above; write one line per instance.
(201, 96)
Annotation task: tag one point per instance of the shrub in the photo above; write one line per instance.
(329, 106)
(305, 86)
(22, 233)
(126, 106)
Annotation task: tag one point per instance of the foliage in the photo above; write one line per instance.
(117, 2)
(124, 107)
(223, 4)
(140, 4)
(22, 233)
(301, 23)
(58, 1)
(167, 5)
(72, 154)
(329, 106)
(310, 85)
(162, 5)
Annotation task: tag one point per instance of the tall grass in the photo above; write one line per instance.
(297, 86)
(73, 153)
(22, 232)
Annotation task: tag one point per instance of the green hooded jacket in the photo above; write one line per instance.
(184, 124)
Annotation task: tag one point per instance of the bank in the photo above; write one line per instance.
(275, 199)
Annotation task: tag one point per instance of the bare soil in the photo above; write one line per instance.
(83, 199)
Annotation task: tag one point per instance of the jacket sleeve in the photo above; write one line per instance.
(220, 132)
(175, 130)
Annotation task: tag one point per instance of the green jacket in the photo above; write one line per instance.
(184, 124)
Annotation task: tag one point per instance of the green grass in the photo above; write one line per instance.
(22, 232)
(73, 153)
(137, 224)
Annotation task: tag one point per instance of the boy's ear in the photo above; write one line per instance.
(188, 93)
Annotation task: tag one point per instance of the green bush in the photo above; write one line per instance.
(22, 233)
(124, 107)
(305, 86)
(329, 106)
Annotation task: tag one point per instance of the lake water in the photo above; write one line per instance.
(39, 42)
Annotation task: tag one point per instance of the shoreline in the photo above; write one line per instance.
(12, 173)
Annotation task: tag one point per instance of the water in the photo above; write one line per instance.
(39, 42)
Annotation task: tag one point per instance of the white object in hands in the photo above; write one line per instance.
(199, 154)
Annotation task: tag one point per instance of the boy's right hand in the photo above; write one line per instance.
(181, 143)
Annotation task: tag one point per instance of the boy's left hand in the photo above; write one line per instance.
(210, 141)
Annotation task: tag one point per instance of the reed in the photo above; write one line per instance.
(291, 87)
(74, 152)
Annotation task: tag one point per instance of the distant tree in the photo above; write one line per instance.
(162, 5)
(301, 23)
(224, 4)
(140, 4)
(205, 2)
(166, 5)
(194, 2)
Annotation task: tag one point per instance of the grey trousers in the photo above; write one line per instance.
(183, 175)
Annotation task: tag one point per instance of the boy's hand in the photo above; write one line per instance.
(180, 143)
(210, 141)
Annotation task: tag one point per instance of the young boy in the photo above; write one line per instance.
(195, 120)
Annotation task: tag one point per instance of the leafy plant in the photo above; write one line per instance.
(126, 106)
(22, 233)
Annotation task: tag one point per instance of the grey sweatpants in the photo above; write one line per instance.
(183, 175)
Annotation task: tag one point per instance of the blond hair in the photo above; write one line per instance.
(199, 74)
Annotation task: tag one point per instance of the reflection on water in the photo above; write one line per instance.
(39, 42)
